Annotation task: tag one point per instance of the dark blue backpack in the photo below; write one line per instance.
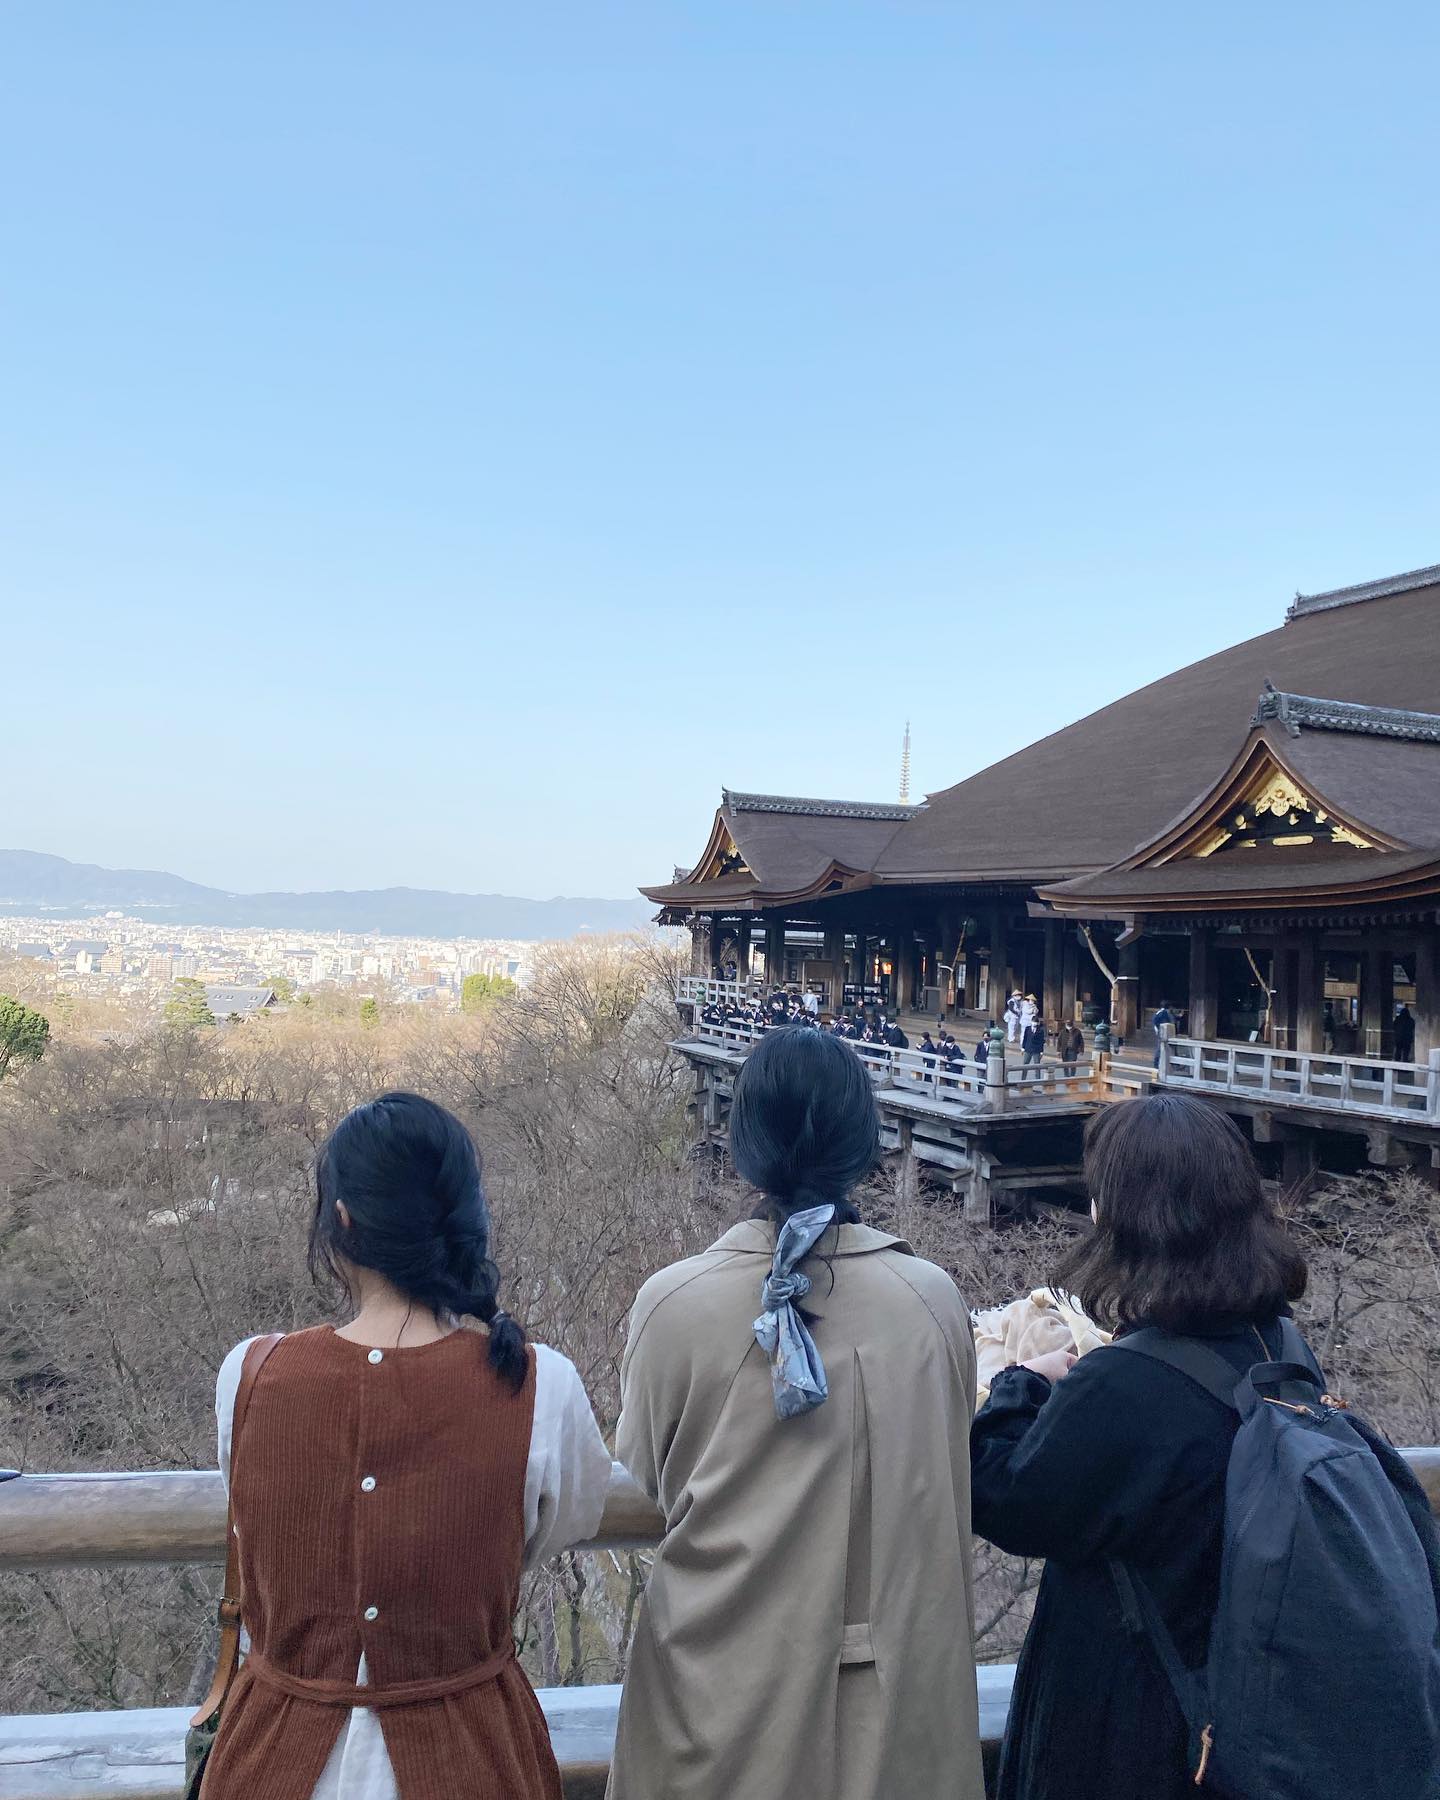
(1323, 1675)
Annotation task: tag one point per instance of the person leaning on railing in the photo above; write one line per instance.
(391, 1481)
(1115, 1469)
(797, 1400)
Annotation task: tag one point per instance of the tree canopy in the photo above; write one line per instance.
(480, 991)
(370, 1012)
(24, 1034)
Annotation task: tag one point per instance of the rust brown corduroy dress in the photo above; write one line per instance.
(379, 1498)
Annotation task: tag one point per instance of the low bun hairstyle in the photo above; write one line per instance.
(804, 1127)
(409, 1175)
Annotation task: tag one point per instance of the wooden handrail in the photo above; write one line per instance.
(59, 1521)
(1373, 1086)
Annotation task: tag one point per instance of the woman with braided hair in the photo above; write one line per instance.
(807, 1627)
(391, 1480)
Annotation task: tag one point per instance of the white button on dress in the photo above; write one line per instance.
(372, 1613)
(367, 1486)
(376, 1356)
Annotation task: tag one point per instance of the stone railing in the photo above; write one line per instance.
(1366, 1085)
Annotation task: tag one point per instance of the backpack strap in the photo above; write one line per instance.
(1205, 1367)
(1294, 1349)
(227, 1660)
(1143, 1618)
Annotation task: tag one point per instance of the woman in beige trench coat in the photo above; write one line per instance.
(807, 1630)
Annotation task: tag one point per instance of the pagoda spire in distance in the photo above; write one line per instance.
(905, 767)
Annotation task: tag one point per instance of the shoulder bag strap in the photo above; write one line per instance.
(228, 1611)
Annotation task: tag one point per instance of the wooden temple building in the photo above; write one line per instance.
(1253, 840)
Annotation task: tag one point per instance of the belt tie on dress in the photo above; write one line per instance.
(398, 1693)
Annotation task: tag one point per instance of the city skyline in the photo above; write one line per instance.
(443, 449)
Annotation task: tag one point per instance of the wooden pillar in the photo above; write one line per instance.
(999, 964)
(1126, 999)
(975, 1187)
(1201, 1016)
(1310, 993)
(1377, 999)
(902, 961)
(742, 957)
(833, 951)
(1299, 1156)
(1427, 992)
(948, 927)
(1070, 977)
(1284, 974)
(774, 952)
(1052, 1002)
(702, 954)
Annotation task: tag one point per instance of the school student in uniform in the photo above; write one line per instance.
(391, 1480)
(1032, 1043)
(796, 1400)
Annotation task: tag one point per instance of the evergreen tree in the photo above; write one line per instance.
(23, 1034)
(477, 992)
(187, 1004)
(370, 1012)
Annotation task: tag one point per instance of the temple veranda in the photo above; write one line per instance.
(1251, 844)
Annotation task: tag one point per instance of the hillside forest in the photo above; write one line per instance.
(155, 1192)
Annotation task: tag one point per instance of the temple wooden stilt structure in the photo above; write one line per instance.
(1250, 846)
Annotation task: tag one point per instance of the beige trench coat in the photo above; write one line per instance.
(807, 1631)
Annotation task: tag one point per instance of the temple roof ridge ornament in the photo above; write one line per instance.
(1307, 711)
(1363, 590)
(819, 809)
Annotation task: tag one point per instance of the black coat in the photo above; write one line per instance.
(1125, 1457)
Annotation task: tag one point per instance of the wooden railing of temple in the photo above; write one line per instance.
(1408, 1093)
(65, 1520)
(966, 1082)
(707, 990)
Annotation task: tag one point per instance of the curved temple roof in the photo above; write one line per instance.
(1349, 698)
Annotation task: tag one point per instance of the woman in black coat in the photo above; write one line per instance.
(1124, 1457)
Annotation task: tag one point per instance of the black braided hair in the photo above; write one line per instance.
(409, 1175)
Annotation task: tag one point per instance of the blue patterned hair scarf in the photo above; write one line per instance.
(796, 1371)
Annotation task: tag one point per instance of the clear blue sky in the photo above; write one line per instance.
(442, 443)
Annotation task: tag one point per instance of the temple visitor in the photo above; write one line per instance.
(1070, 1046)
(776, 1006)
(1012, 1017)
(1032, 1043)
(797, 1401)
(391, 1480)
(1029, 1013)
(896, 1037)
(1115, 1471)
(982, 1049)
(1404, 1035)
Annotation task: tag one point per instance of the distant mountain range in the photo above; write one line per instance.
(31, 883)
